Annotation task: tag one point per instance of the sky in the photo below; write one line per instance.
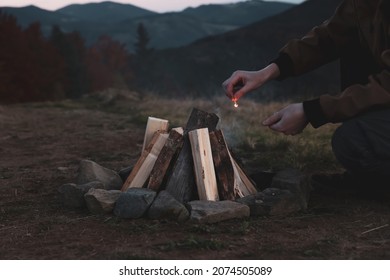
(153, 5)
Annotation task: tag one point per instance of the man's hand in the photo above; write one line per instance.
(242, 82)
(291, 120)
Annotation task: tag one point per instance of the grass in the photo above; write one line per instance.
(256, 145)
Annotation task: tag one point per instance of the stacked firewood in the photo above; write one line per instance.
(191, 163)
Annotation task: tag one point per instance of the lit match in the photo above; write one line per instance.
(234, 100)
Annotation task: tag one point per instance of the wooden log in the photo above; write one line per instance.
(153, 125)
(180, 130)
(203, 164)
(201, 119)
(145, 163)
(164, 160)
(223, 166)
(181, 183)
(249, 184)
(242, 184)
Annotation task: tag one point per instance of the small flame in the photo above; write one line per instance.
(234, 100)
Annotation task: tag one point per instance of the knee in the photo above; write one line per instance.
(347, 145)
(341, 140)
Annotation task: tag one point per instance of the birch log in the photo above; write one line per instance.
(203, 164)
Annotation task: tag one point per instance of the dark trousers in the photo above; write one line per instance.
(362, 144)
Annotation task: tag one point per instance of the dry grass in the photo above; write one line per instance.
(257, 145)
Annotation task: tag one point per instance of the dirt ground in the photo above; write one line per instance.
(40, 149)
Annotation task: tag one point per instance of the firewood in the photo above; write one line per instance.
(243, 185)
(201, 119)
(141, 171)
(181, 183)
(203, 164)
(153, 125)
(180, 130)
(164, 159)
(223, 166)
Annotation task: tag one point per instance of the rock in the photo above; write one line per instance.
(272, 202)
(279, 202)
(100, 201)
(203, 211)
(72, 195)
(134, 203)
(255, 202)
(165, 206)
(294, 181)
(125, 172)
(262, 179)
(91, 171)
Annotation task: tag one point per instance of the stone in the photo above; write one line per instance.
(125, 172)
(279, 202)
(203, 211)
(255, 202)
(262, 179)
(165, 206)
(72, 195)
(294, 181)
(134, 203)
(91, 171)
(100, 201)
(272, 202)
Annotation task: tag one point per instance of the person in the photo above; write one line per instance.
(358, 35)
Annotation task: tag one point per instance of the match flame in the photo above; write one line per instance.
(234, 100)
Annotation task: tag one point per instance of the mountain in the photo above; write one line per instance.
(166, 30)
(29, 14)
(104, 12)
(91, 20)
(200, 68)
(238, 14)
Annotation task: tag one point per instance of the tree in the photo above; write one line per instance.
(11, 37)
(143, 55)
(107, 64)
(29, 66)
(141, 46)
(72, 48)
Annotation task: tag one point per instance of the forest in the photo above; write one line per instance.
(35, 68)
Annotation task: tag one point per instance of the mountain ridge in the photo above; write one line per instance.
(163, 30)
(201, 67)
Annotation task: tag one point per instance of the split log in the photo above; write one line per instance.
(180, 130)
(181, 183)
(153, 125)
(164, 159)
(243, 185)
(223, 166)
(249, 184)
(203, 164)
(201, 119)
(141, 171)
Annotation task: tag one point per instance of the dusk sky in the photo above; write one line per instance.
(154, 5)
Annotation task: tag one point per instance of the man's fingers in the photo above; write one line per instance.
(239, 93)
(232, 85)
(272, 119)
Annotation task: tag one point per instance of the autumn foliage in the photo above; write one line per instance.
(35, 68)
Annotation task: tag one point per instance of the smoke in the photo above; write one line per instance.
(231, 126)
